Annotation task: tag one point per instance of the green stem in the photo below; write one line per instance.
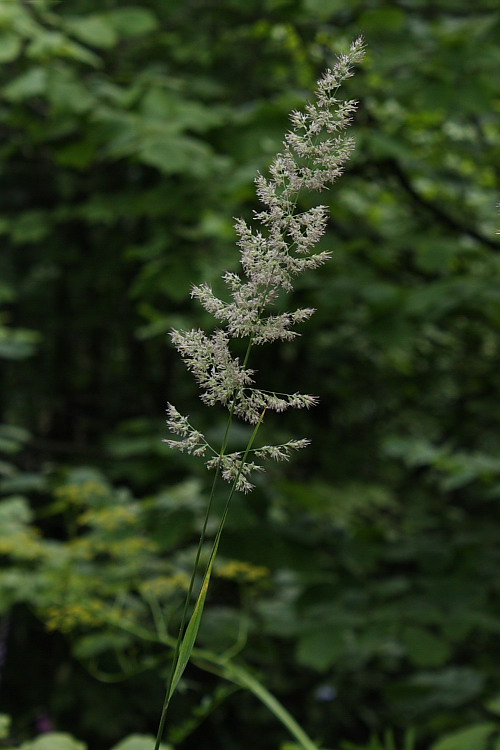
(182, 627)
(236, 674)
(183, 650)
(176, 665)
(194, 572)
(245, 679)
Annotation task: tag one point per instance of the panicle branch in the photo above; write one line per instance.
(251, 402)
(233, 467)
(313, 156)
(192, 441)
(208, 357)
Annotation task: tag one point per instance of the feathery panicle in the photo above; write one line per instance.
(272, 255)
(313, 155)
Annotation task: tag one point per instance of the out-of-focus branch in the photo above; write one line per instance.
(393, 167)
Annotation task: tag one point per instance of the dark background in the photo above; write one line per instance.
(361, 581)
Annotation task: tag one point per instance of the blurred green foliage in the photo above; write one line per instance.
(63, 741)
(361, 587)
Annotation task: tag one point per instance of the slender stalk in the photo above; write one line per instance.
(194, 572)
(245, 679)
(312, 158)
(177, 666)
(238, 675)
(170, 687)
(182, 627)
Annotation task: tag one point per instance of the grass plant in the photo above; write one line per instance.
(273, 253)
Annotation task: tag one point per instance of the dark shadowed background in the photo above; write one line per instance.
(360, 583)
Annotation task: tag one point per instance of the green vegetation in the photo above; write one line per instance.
(357, 589)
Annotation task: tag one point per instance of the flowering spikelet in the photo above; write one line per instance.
(192, 440)
(313, 155)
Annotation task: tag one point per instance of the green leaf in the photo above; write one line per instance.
(138, 742)
(31, 83)
(323, 9)
(435, 255)
(10, 46)
(94, 644)
(222, 626)
(29, 227)
(17, 343)
(189, 639)
(15, 513)
(12, 438)
(245, 679)
(52, 44)
(177, 155)
(95, 29)
(472, 738)
(24, 482)
(54, 741)
(493, 705)
(78, 155)
(4, 726)
(177, 112)
(132, 21)
(425, 691)
(320, 649)
(67, 93)
(6, 445)
(425, 649)
(382, 20)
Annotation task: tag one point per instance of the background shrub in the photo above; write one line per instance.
(362, 584)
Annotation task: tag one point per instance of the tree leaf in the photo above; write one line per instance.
(10, 46)
(138, 742)
(54, 741)
(95, 29)
(4, 726)
(17, 343)
(472, 738)
(31, 83)
(424, 648)
(320, 649)
(493, 705)
(132, 20)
